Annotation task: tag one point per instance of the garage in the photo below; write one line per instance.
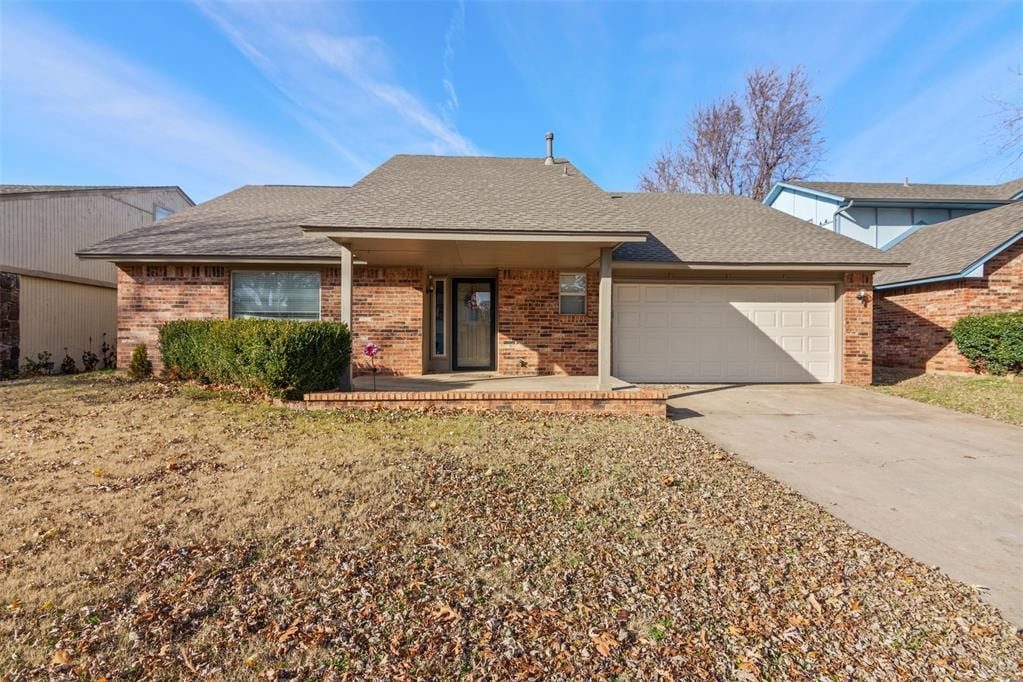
(724, 333)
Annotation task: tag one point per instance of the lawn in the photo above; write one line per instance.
(155, 531)
(998, 398)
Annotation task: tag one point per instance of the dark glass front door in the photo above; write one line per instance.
(474, 323)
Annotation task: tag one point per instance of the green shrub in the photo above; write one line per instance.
(140, 367)
(993, 342)
(278, 357)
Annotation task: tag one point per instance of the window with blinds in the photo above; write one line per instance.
(287, 295)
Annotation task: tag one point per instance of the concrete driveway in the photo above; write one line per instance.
(943, 487)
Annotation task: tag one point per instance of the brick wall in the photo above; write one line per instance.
(533, 337)
(149, 295)
(857, 343)
(912, 324)
(10, 322)
(387, 307)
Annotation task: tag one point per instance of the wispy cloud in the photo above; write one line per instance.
(456, 27)
(78, 100)
(339, 82)
(937, 134)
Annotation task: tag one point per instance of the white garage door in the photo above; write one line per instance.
(666, 333)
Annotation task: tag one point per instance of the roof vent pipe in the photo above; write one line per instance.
(905, 183)
(549, 161)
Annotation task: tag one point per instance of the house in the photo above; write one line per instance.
(49, 299)
(517, 266)
(962, 244)
(882, 213)
(967, 266)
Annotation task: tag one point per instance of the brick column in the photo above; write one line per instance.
(858, 337)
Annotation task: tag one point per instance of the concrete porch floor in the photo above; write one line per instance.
(484, 382)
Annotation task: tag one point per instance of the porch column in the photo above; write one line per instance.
(346, 309)
(604, 323)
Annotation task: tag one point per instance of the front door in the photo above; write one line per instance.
(474, 306)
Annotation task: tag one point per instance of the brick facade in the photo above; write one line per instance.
(387, 307)
(857, 344)
(150, 295)
(532, 336)
(10, 322)
(633, 403)
(912, 323)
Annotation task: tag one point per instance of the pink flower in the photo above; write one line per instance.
(371, 350)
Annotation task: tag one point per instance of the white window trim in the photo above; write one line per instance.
(319, 292)
(433, 316)
(562, 294)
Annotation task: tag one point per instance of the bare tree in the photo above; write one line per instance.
(744, 145)
(1009, 128)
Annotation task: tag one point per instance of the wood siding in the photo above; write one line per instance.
(56, 314)
(40, 233)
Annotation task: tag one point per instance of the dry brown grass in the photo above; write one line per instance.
(171, 531)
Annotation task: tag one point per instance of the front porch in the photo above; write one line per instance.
(489, 391)
(485, 382)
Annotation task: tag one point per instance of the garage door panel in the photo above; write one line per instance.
(710, 333)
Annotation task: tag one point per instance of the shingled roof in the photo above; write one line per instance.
(6, 190)
(254, 221)
(897, 191)
(953, 247)
(730, 230)
(474, 193)
(451, 194)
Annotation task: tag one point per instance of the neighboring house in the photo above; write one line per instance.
(49, 299)
(968, 266)
(882, 213)
(515, 266)
(962, 243)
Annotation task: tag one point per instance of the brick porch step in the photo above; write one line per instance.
(636, 402)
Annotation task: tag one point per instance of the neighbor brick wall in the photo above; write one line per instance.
(387, 308)
(532, 336)
(857, 343)
(912, 324)
(10, 322)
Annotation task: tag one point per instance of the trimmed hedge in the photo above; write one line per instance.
(281, 358)
(993, 342)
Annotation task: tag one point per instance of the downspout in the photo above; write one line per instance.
(842, 207)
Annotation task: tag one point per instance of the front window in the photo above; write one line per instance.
(573, 294)
(159, 213)
(440, 348)
(287, 295)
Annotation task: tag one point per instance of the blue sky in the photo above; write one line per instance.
(211, 96)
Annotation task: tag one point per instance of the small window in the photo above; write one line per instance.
(573, 294)
(159, 213)
(276, 295)
(440, 348)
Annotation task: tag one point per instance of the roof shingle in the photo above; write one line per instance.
(454, 193)
(702, 228)
(897, 191)
(949, 248)
(251, 221)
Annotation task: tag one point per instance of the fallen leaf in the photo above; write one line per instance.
(604, 642)
(61, 657)
(444, 614)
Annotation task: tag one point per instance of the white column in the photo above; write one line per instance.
(346, 309)
(604, 323)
